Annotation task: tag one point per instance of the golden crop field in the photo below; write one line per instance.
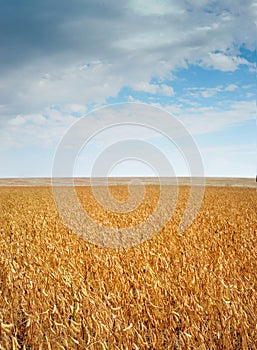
(195, 290)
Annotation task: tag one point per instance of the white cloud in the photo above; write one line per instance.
(205, 120)
(42, 130)
(198, 92)
(204, 92)
(155, 7)
(166, 90)
(250, 95)
(160, 89)
(76, 108)
(248, 86)
(144, 41)
(231, 87)
(221, 62)
(36, 119)
(146, 87)
(126, 50)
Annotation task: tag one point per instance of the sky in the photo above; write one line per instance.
(63, 61)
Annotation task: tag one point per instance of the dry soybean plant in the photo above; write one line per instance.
(195, 290)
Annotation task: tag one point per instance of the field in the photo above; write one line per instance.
(195, 290)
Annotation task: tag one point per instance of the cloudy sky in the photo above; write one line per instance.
(60, 60)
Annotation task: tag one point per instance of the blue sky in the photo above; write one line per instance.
(60, 61)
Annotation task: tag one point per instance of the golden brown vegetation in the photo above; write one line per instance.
(190, 291)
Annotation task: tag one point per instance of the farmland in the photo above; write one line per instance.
(190, 290)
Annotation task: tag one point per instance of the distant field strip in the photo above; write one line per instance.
(209, 181)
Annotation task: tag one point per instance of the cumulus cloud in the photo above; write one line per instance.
(56, 52)
(223, 62)
(160, 89)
